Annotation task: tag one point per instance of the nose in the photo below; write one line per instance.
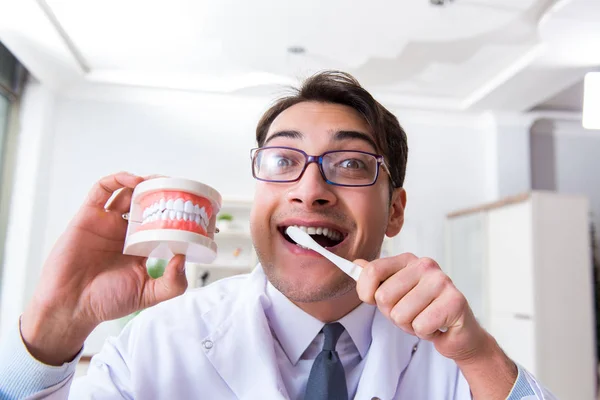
(311, 191)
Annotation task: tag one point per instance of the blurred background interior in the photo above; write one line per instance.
(503, 175)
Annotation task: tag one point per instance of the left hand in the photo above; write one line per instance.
(418, 297)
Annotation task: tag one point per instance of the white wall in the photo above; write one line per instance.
(512, 155)
(100, 130)
(566, 158)
(447, 170)
(28, 209)
(206, 138)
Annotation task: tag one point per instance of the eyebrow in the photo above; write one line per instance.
(338, 136)
(344, 135)
(286, 134)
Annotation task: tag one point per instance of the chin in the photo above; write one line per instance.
(311, 284)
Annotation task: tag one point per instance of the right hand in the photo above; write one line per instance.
(87, 279)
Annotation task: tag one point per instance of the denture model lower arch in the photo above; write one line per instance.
(171, 216)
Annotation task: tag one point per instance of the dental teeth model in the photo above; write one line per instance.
(171, 216)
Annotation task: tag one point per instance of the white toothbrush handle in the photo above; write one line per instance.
(347, 266)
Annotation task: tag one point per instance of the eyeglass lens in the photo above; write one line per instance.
(340, 167)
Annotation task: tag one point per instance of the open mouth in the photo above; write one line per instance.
(325, 236)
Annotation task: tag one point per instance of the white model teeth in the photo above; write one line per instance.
(178, 210)
(178, 205)
(318, 230)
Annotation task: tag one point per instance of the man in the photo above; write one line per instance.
(330, 159)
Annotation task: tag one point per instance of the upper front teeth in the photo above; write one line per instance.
(176, 209)
(330, 233)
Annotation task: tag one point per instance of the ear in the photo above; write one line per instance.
(396, 212)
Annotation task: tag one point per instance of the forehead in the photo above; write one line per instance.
(316, 118)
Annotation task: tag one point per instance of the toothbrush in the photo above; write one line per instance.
(303, 239)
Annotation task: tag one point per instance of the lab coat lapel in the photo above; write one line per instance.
(389, 355)
(241, 344)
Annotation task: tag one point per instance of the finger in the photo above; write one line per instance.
(173, 283)
(407, 279)
(444, 313)
(105, 187)
(410, 305)
(154, 176)
(377, 271)
(121, 201)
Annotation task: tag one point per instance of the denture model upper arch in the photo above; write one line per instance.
(172, 209)
(171, 216)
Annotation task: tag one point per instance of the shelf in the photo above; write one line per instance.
(230, 267)
(232, 234)
(236, 204)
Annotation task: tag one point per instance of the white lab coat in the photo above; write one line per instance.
(215, 343)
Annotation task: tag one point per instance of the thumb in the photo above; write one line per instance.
(173, 283)
(363, 287)
(360, 262)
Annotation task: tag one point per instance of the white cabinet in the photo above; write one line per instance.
(516, 335)
(510, 258)
(524, 265)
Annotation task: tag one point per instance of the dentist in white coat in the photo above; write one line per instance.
(330, 159)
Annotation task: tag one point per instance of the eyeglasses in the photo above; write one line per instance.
(337, 167)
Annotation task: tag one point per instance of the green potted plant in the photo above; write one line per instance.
(224, 221)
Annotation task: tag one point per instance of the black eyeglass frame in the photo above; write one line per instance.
(319, 161)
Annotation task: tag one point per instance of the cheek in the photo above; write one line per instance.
(374, 220)
(370, 210)
(264, 204)
(371, 216)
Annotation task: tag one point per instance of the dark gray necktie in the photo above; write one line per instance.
(327, 380)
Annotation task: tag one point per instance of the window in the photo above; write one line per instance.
(12, 76)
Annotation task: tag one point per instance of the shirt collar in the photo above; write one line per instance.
(358, 324)
(295, 329)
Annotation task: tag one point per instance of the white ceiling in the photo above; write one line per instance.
(570, 99)
(469, 54)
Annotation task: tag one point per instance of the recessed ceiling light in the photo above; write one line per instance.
(296, 50)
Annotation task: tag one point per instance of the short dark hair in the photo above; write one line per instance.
(342, 88)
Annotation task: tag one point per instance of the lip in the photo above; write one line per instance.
(296, 250)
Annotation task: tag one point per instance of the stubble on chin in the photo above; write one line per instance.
(300, 290)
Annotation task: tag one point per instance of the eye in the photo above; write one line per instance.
(352, 163)
(282, 162)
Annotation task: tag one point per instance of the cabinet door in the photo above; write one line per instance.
(515, 334)
(510, 259)
(466, 259)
